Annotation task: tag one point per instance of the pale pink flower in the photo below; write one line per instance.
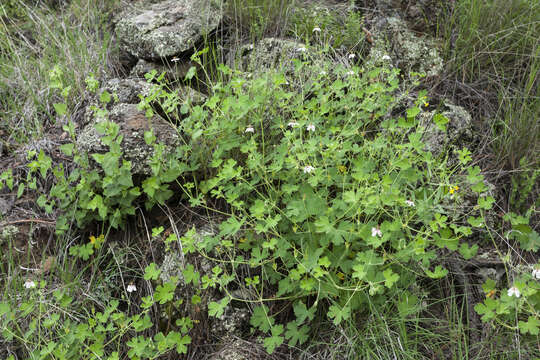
(29, 284)
(375, 231)
(409, 203)
(311, 127)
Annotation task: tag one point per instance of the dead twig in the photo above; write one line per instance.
(22, 221)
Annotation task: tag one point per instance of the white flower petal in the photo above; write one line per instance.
(29, 284)
(308, 169)
(311, 127)
(352, 56)
(410, 203)
(317, 29)
(514, 291)
(250, 129)
(536, 274)
(131, 288)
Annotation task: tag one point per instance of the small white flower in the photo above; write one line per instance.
(292, 124)
(351, 56)
(386, 57)
(536, 273)
(514, 291)
(308, 169)
(175, 59)
(250, 47)
(316, 29)
(250, 129)
(311, 127)
(350, 73)
(410, 203)
(322, 72)
(375, 231)
(29, 284)
(131, 288)
(301, 49)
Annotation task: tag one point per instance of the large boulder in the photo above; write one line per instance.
(168, 28)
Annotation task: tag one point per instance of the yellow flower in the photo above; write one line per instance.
(453, 189)
(92, 239)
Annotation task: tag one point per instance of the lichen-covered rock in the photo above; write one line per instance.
(269, 53)
(127, 91)
(159, 30)
(133, 124)
(171, 267)
(408, 51)
(174, 70)
(8, 232)
(124, 91)
(238, 349)
(232, 322)
(458, 129)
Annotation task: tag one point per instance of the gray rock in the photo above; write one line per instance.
(124, 91)
(192, 96)
(172, 266)
(237, 349)
(133, 123)
(458, 129)
(127, 91)
(5, 207)
(157, 30)
(409, 52)
(174, 70)
(8, 232)
(269, 53)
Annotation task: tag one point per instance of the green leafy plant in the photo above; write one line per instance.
(332, 202)
(48, 331)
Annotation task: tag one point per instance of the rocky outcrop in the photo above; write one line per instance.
(167, 28)
(133, 124)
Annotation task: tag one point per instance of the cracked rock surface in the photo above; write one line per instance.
(152, 30)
